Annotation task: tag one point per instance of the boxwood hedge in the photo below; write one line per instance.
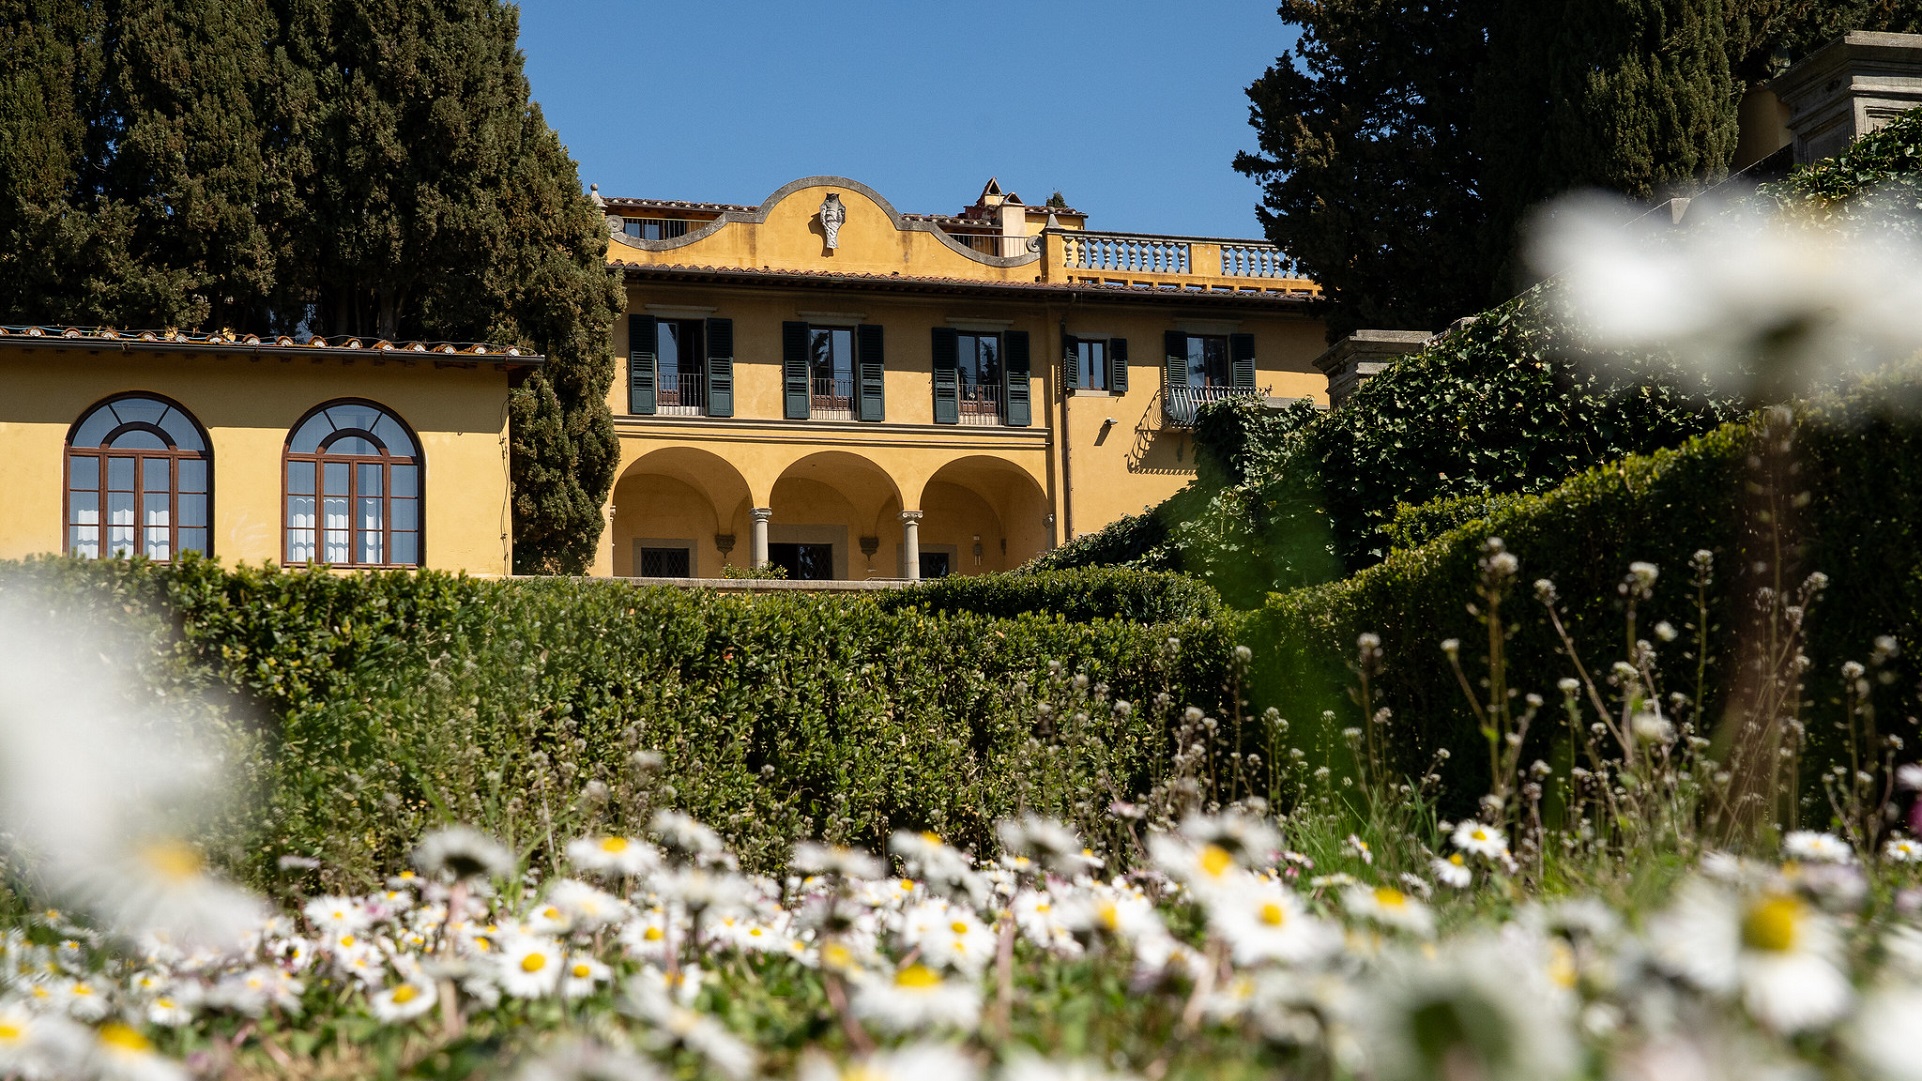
(1075, 595)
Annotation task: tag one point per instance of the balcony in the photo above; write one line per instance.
(832, 397)
(682, 394)
(980, 404)
(1180, 404)
(1174, 264)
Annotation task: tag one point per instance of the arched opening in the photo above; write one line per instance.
(353, 487)
(981, 514)
(139, 481)
(680, 513)
(836, 515)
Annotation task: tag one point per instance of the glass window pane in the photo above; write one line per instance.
(667, 345)
(300, 478)
(300, 529)
(370, 511)
(181, 431)
(1197, 361)
(335, 476)
(138, 439)
(193, 510)
(120, 474)
(354, 415)
(405, 478)
(95, 428)
(84, 541)
(307, 437)
(407, 549)
(390, 432)
(155, 475)
(193, 474)
(83, 508)
(120, 523)
(335, 545)
(83, 472)
(142, 410)
(370, 539)
(843, 354)
(193, 540)
(156, 509)
(406, 513)
(353, 444)
(159, 543)
(370, 478)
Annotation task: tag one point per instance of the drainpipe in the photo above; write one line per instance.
(1067, 444)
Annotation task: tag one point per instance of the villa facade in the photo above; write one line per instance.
(827, 384)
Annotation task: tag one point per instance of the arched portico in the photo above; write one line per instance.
(680, 500)
(982, 514)
(835, 514)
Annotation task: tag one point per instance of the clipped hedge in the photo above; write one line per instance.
(363, 708)
(1074, 595)
(1860, 458)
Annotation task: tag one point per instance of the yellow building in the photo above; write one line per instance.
(825, 383)
(358, 454)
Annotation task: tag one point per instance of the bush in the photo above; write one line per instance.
(383, 703)
(1073, 595)
(1496, 406)
(1884, 165)
(1858, 461)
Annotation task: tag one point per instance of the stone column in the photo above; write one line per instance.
(757, 540)
(911, 544)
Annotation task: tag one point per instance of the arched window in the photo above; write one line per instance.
(353, 489)
(138, 481)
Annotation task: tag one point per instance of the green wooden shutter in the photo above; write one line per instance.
(1241, 353)
(1016, 370)
(642, 374)
(720, 367)
(1070, 363)
(1117, 365)
(1176, 343)
(872, 378)
(794, 369)
(947, 389)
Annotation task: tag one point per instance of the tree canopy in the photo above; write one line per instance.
(1402, 146)
(365, 167)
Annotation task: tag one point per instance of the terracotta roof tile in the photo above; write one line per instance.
(222, 341)
(920, 283)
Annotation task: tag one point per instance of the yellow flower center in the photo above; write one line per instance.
(1480, 834)
(174, 861)
(347, 941)
(533, 962)
(121, 1038)
(917, 977)
(613, 845)
(405, 993)
(1389, 897)
(83, 990)
(10, 1032)
(581, 971)
(1772, 923)
(652, 934)
(1456, 859)
(1109, 915)
(1272, 914)
(835, 955)
(959, 927)
(1215, 861)
(931, 837)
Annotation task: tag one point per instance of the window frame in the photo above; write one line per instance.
(682, 330)
(173, 456)
(995, 392)
(387, 461)
(1227, 361)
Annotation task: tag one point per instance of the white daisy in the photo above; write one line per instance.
(1389, 907)
(1452, 871)
(1264, 921)
(1478, 839)
(586, 908)
(404, 1001)
(332, 916)
(915, 1062)
(528, 966)
(1881, 1038)
(121, 1053)
(916, 997)
(618, 856)
(1816, 847)
(1902, 850)
(1771, 949)
(583, 976)
(462, 852)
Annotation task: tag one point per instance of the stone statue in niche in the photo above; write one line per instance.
(833, 213)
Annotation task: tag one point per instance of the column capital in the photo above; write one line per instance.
(910, 516)
(762, 514)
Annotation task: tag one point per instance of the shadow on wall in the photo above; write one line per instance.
(1158, 450)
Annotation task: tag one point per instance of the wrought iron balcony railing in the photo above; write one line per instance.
(1180, 404)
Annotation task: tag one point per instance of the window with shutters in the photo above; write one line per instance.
(680, 358)
(1208, 362)
(1091, 364)
(831, 373)
(979, 377)
(353, 484)
(138, 481)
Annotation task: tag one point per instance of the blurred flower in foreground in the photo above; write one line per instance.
(100, 786)
(1770, 948)
(1761, 304)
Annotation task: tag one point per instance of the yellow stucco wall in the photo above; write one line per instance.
(247, 407)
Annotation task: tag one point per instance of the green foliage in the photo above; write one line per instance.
(384, 703)
(1073, 595)
(1861, 462)
(1878, 176)
(1132, 540)
(1238, 438)
(266, 165)
(1444, 125)
(1495, 406)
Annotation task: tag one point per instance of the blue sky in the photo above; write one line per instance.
(1133, 109)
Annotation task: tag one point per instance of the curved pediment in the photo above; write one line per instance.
(788, 230)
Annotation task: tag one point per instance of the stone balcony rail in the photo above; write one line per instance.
(1173, 263)
(1119, 252)
(1256, 261)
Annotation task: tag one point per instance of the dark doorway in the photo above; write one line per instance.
(803, 562)
(935, 565)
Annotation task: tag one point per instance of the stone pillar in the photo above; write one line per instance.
(1351, 361)
(911, 544)
(757, 540)
(1848, 88)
